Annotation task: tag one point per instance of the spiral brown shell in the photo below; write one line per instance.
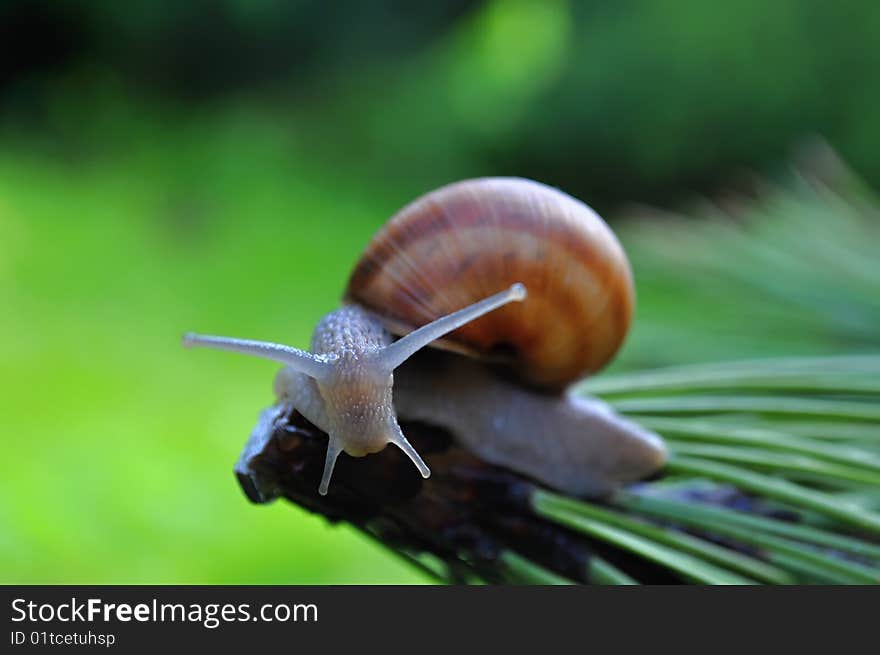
(471, 239)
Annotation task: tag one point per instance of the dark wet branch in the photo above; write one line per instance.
(467, 513)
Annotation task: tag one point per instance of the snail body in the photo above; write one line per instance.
(568, 442)
(527, 287)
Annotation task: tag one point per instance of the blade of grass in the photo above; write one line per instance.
(690, 567)
(775, 461)
(805, 573)
(866, 434)
(796, 407)
(835, 486)
(552, 505)
(698, 431)
(841, 571)
(601, 572)
(804, 383)
(636, 501)
(779, 489)
(779, 367)
(524, 571)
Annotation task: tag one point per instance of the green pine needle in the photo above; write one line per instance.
(779, 489)
(571, 512)
(521, 570)
(691, 430)
(837, 569)
(780, 406)
(688, 566)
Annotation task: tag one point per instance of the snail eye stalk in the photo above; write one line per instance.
(402, 349)
(314, 366)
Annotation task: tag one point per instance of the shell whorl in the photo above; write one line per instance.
(468, 240)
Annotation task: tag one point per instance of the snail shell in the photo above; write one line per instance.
(464, 242)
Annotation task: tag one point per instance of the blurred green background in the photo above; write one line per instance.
(218, 166)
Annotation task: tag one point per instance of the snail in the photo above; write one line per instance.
(521, 290)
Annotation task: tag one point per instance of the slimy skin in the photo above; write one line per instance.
(575, 444)
(344, 386)
(567, 442)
